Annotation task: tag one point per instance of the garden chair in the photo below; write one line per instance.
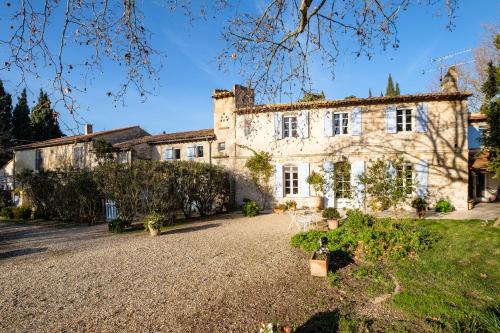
(302, 221)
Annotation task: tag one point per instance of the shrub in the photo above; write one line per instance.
(316, 181)
(370, 237)
(250, 208)
(153, 221)
(5, 198)
(291, 204)
(118, 225)
(419, 203)
(331, 214)
(23, 213)
(444, 206)
(7, 212)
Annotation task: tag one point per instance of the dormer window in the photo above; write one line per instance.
(290, 127)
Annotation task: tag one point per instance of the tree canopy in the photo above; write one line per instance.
(44, 119)
(21, 127)
(5, 125)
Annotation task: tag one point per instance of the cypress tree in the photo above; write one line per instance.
(43, 119)
(369, 92)
(397, 89)
(21, 130)
(390, 91)
(5, 125)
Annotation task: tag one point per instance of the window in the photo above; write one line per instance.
(177, 154)
(291, 174)
(403, 120)
(221, 146)
(199, 151)
(38, 161)
(78, 157)
(290, 127)
(342, 178)
(404, 175)
(340, 123)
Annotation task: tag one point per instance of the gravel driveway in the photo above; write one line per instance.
(227, 274)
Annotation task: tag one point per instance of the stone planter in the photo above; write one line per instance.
(316, 202)
(319, 267)
(154, 232)
(333, 224)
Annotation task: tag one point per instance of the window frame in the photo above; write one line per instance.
(176, 153)
(221, 146)
(78, 162)
(343, 188)
(197, 152)
(341, 115)
(38, 160)
(404, 119)
(292, 189)
(290, 132)
(406, 175)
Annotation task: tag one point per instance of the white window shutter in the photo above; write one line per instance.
(278, 125)
(422, 117)
(357, 169)
(329, 168)
(303, 124)
(169, 154)
(422, 177)
(328, 122)
(356, 121)
(303, 185)
(390, 115)
(278, 180)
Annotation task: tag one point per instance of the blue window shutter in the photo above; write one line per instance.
(278, 180)
(329, 168)
(356, 121)
(422, 176)
(190, 152)
(278, 125)
(303, 124)
(303, 185)
(422, 117)
(390, 116)
(168, 154)
(357, 169)
(328, 122)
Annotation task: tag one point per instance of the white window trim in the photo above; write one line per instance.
(340, 113)
(291, 194)
(413, 111)
(289, 116)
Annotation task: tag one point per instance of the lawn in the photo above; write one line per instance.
(455, 284)
(452, 285)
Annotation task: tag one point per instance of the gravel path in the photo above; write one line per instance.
(221, 275)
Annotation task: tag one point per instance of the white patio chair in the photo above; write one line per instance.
(302, 221)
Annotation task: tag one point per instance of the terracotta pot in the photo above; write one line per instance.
(470, 204)
(278, 211)
(319, 267)
(153, 231)
(333, 224)
(316, 202)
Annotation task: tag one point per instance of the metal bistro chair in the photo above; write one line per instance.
(302, 221)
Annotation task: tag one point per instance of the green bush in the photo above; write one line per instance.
(250, 208)
(7, 212)
(118, 225)
(444, 206)
(374, 238)
(331, 214)
(18, 213)
(154, 221)
(5, 198)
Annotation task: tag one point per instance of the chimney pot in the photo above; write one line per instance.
(88, 129)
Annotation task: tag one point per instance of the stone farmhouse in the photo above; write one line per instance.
(429, 131)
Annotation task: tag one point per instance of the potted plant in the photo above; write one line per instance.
(279, 209)
(317, 182)
(290, 205)
(320, 259)
(420, 204)
(332, 216)
(153, 223)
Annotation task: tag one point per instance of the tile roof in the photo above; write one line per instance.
(476, 117)
(188, 136)
(71, 139)
(354, 102)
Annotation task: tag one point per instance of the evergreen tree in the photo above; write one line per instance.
(43, 120)
(21, 131)
(5, 125)
(369, 92)
(397, 89)
(390, 91)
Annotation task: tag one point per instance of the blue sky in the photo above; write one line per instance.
(190, 72)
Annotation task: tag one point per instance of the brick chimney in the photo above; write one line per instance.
(450, 81)
(88, 129)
